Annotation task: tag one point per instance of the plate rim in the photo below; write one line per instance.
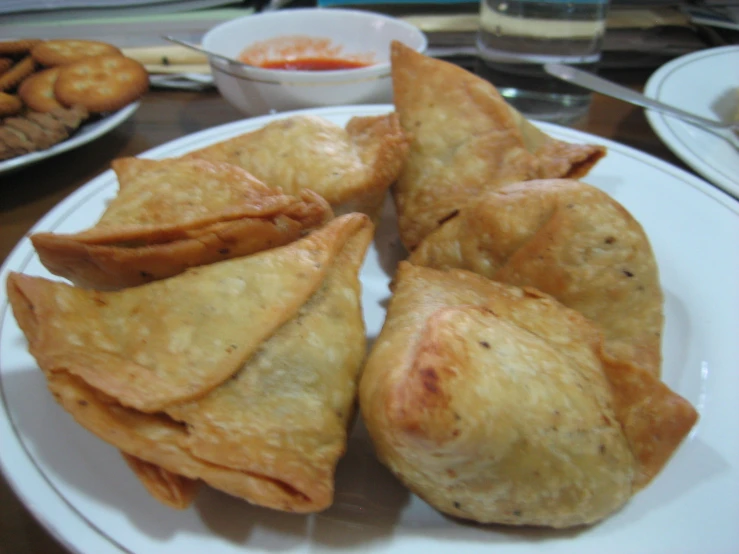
(39, 512)
(661, 123)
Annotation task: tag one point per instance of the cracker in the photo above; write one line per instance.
(9, 104)
(101, 84)
(52, 53)
(17, 47)
(13, 76)
(37, 91)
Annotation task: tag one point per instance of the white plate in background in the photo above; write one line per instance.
(705, 83)
(81, 490)
(86, 133)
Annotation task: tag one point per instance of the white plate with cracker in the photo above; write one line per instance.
(83, 493)
(705, 83)
(86, 133)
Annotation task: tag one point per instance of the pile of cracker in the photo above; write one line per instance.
(48, 88)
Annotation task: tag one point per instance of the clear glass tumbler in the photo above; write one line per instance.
(517, 37)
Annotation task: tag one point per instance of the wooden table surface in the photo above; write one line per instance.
(26, 195)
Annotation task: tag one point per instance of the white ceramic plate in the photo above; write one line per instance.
(699, 83)
(86, 133)
(81, 490)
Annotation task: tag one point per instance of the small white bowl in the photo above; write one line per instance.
(255, 90)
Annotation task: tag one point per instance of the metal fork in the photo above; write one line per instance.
(728, 131)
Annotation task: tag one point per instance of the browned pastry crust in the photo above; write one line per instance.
(241, 374)
(497, 404)
(465, 140)
(170, 215)
(352, 167)
(171, 489)
(572, 241)
(490, 402)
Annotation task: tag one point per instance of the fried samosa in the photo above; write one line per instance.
(571, 241)
(170, 215)
(157, 440)
(170, 489)
(352, 167)
(465, 140)
(495, 403)
(144, 368)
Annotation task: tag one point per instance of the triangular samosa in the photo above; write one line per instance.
(169, 215)
(465, 139)
(290, 404)
(496, 404)
(572, 241)
(352, 167)
(273, 432)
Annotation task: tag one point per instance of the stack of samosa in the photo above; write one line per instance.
(241, 373)
(498, 402)
(465, 140)
(527, 223)
(516, 377)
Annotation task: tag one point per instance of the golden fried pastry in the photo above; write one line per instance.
(157, 440)
(572, 241)
(495, 403)
(241, 374)
(173, 214)
(351, 168)
(299, 388)
(465, 140)
(654, 419)
(170, 489)
(556, 158)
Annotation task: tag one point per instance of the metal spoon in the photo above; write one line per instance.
(192, 46)
(588, 80)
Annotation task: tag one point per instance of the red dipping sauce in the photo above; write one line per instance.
(314, 64)
(303, 53)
